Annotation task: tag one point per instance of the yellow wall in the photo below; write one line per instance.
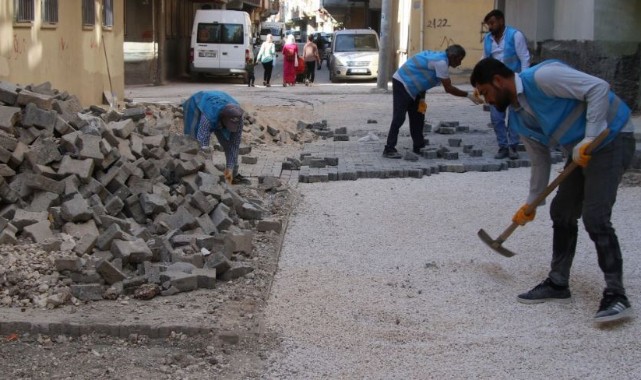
(447, 22)
(69, 56)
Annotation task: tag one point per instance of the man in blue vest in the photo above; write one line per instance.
(410, 82)
(551, 105)
(508, 45)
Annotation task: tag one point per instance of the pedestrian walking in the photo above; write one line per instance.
(216, 112)
(509, 46)
(290, 61)
(266, 56)
(311, 58)
(552, 104)
(423, 71)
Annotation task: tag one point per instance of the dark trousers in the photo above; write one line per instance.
(250, 78)
(310, 71)
(403, 103)
(267, 74)
(591, 193)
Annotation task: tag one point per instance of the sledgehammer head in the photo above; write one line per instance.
(496, 245)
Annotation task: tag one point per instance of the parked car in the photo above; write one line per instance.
(324, 43)
(354, 55)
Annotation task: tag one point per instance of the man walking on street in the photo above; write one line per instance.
(553, 104)
(410, 82)
(509, 46)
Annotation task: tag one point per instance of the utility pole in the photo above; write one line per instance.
(384, 53)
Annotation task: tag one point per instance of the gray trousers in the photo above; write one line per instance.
(591, 193)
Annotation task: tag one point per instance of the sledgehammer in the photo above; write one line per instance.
(497, 244)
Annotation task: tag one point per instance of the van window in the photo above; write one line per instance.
(220, 33)
(275, 32)
(356, 42)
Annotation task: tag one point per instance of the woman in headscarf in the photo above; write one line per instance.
(208, 112)
(290, 61)
(266, 56)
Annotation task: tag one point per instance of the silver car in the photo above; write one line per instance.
(354, 55)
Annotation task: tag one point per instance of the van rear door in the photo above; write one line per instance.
(219, 46)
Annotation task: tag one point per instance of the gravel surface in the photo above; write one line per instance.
(387, 279)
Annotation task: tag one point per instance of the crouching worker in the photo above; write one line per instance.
(216, 112)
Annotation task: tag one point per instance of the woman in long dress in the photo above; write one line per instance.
(290, 61)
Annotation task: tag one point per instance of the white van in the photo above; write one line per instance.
(276, 29)
(220, 42)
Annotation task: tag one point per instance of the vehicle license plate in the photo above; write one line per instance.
(359, 71)
(207, 53)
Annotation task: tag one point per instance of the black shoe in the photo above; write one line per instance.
(417, 149)
(545, 291)
(240, 180)
(513, 153)
(613, 307)
(502, 153)
(391, 153)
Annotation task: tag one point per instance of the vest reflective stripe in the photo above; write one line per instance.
(560, 120)
(415, 74)
(510, 59)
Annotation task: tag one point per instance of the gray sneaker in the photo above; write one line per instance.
(613, 307)
(545, 291)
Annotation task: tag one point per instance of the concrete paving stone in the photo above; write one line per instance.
(87, 292)
(341, 137)
(467, 148)
(25, 97)
(476, 153)
(39, 232)
(76, 210)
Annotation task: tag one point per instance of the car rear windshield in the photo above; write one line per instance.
(220, 33)
(355, 42)
(273, 31)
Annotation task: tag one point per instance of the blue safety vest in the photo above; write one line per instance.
(415, 74)
(510, 59)
(560, 120)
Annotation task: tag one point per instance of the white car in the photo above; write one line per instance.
(354, 55)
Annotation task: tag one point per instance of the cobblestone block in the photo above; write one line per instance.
(450, 155)
(249, 160)
(206, 278)
(85, 245)
(455, 143)
(87, 292)
(467, 148)
(82, 168)
(462, 129)
(429, 154)
(492, 167)
(9, 116)
(238, 241)
(476, 153)
(25, 97)
(22, 218)
(8, 93)
(270, 224)
(78, 230)
(445, 131)
(76, 210)
(135, 114)
(237, 270)
(38, 232)
(183, 282)
(181, 219)
(249, 211)
(72, 264)
(135, 251)
(341, 137)
(109, 272)
(43, 119)
(89, 147)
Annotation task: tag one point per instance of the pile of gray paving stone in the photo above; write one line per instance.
(112, 203)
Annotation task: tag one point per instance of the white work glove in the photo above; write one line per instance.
(578, 153)
(474, 98)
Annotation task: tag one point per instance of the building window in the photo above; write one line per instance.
(24, 10)
(108, 13)
(88, 13)
(50, 11)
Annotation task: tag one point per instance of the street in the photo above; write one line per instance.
(387, 279)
